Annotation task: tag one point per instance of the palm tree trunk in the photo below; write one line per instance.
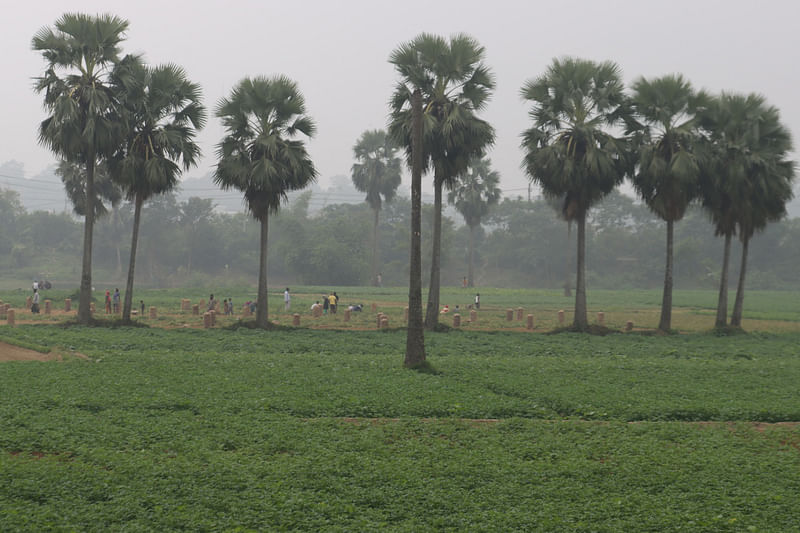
(665, 323)
(137, 214)
(85, 298)
(415, 336)
(581, 320)
(375, 249)
(432, 311)
(262, 317)
(722, 302)
(736, 317)
(470, 267)
(567, 261)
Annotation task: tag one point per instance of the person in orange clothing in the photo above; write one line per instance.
(108, 302)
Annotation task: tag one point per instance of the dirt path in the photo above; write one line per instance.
(9, 352)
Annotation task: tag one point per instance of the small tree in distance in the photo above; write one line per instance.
(377, 173)
(474, 193)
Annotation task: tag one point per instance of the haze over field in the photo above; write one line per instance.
(337, 52)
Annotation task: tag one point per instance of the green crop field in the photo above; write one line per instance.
(319, 428)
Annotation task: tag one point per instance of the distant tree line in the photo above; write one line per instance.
(521, 244)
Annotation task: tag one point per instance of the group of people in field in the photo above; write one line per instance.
(330, 302)
(112, 302)
(475, 305)
(227, 305)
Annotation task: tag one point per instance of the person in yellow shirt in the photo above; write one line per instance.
(332, 299)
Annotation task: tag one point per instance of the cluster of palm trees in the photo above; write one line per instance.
(133, 123)
(138, 123)
(676, 145)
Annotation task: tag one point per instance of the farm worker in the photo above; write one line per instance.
(287, 300)
(108, 302)
(35, 301)
(477, 301)
(332, 302)
(445, 309)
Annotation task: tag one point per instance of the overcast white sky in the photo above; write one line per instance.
(337, 51)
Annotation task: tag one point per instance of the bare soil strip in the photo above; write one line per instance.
(9, 352)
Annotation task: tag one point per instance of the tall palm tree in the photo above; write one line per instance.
(378, 174)
(747, 181)
(162, 112)
(475, 192)
(455, 84)
(570, 150)
(260, 156)
(668, 173)
(80, 51)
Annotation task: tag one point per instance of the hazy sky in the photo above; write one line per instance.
(337, 52)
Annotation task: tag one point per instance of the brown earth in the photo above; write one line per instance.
(9, 352)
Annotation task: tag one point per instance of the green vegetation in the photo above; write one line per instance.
(314, 429)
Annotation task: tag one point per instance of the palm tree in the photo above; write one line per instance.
(473, 195)
(260, 156)
(378, 174)
(162, 112)
(570, 150)
(455, 85)
(79, 101)
(747, 181)
(668, 172)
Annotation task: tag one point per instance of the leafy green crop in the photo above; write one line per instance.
(302, 429)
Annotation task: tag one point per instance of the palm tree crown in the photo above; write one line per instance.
(455, 84)
(570, 150)
(476, 191)
(378, 172)
(162, 111)
(668, 170)
(84, 48)
(259, 155)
